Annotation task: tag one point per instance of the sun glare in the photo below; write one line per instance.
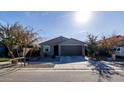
(83, 17)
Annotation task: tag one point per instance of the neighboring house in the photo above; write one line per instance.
(114, 40)
(62, 46)
(120, 40)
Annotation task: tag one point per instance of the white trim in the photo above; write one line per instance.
(44, 47)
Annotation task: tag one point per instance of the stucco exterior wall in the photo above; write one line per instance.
(52, 43)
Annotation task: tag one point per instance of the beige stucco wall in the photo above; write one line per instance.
(72, 42)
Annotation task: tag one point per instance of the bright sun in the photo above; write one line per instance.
(83, 17)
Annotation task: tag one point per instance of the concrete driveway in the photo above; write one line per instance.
(65, 63)
(59, 60)
(72, 62)
(71, 59)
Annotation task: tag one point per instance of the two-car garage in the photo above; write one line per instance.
(69, 50)
(71, 47)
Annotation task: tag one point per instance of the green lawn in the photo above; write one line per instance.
(4, 59)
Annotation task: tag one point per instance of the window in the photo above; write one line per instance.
(46, 48)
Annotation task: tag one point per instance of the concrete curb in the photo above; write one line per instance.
(51, 69)
(4, 63)
(62, 69)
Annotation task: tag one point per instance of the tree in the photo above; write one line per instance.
(109, 43)
(6, 38)
(17, 37)
(92, 45)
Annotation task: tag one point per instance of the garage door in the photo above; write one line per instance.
(71, 50)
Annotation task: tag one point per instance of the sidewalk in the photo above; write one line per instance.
(85, 65)
(4, 63)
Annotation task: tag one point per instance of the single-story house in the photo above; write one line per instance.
(62, 46)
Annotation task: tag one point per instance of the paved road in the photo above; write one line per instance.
(37, 75)
(77, 71)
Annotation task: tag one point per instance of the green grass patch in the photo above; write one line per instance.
(4, 59)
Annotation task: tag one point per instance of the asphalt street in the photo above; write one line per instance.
(37, 75)
(69, 69)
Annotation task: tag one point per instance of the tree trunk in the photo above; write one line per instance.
(10, 52)
(30, 54)
(19, 57)
(25, 51)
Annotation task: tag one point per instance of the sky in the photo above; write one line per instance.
(51, 24)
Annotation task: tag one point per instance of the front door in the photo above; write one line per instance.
(56, 51)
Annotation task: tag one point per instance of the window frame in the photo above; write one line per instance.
(46, 47)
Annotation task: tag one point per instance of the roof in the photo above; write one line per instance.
(62, 40)
(72, 41)
(118, 38)
(56, 40)
(113, 41)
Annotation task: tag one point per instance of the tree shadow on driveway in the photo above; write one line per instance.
(103, 70)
